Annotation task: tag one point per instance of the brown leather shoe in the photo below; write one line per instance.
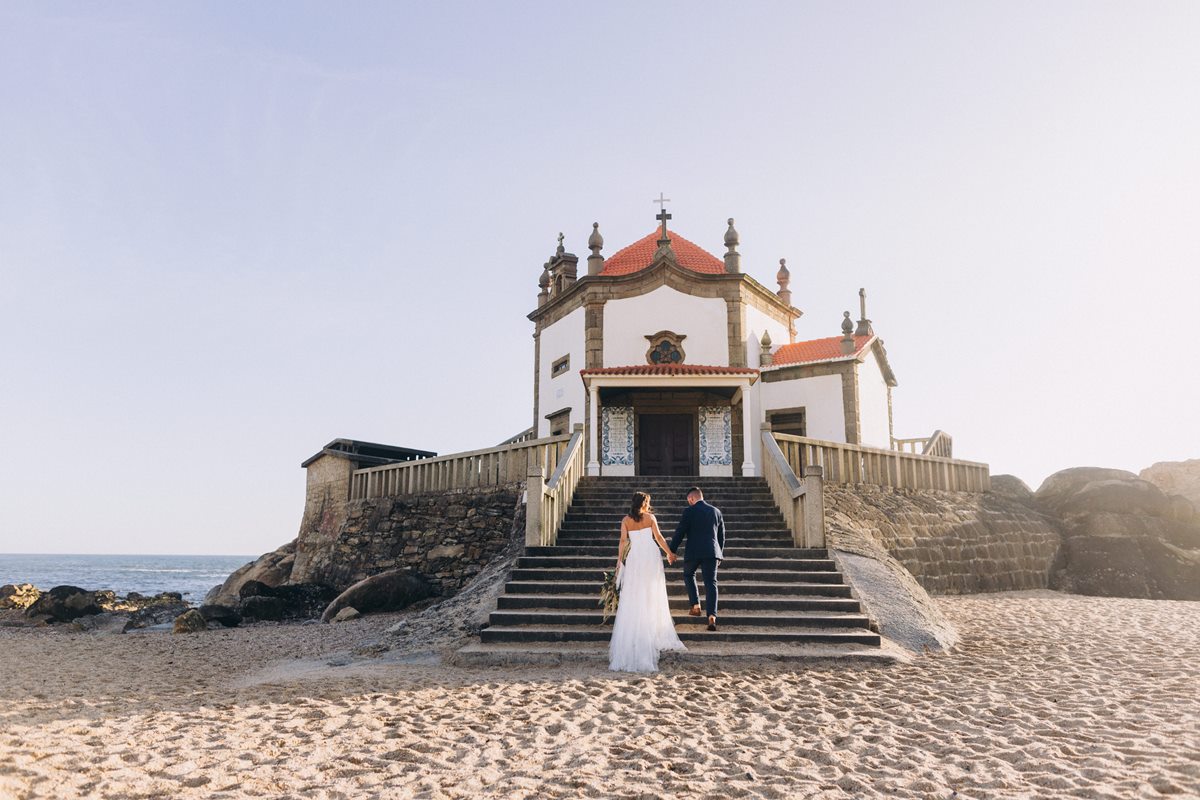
(694, 611)
(712, 623)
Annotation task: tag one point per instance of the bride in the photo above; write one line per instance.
(643, 626)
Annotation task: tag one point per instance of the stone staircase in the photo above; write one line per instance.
(772, 594)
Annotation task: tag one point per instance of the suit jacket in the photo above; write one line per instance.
(703, 527)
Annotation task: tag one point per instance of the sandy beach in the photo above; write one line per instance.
(1049, 695)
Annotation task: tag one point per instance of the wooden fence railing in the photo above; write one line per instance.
(850, 463)
(492, 467)
(940, 444)
(547, 501)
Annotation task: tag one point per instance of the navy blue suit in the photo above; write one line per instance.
(703, 527)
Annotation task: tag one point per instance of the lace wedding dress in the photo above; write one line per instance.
(643, 626)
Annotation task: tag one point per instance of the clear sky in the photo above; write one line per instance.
(230, 232)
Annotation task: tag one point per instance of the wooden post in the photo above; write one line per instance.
(535, 487)
(814, 507)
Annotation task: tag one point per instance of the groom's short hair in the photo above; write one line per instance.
(695, 490)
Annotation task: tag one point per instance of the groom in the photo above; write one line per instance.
(704, 528)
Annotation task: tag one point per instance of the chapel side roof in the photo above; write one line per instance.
(637, 256)
(827, 349)
(369, 454)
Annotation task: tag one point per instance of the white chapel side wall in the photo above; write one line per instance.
(756, 323)
(821, 398)
(562, 338)
(873, 404)
(628, 321)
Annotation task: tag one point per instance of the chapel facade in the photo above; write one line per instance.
(672, 359)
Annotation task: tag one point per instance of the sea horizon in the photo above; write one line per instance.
(148, 573)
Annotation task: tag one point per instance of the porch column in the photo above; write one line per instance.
(748, 428)
(593, 466)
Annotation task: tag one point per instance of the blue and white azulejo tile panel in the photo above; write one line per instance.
(716, 436)
(616, 442)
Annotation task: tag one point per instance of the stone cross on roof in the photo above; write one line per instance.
(662, 216)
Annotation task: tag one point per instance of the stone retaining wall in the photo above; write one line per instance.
(951, 542)
(448, 537)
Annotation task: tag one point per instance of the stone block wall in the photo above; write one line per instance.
(951, 542)
(448, 537)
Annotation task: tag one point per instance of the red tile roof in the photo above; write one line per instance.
(669, 369)
(813, 350)
(638, 256)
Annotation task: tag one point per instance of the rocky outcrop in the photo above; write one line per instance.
(19, 596)
(388, 591)
(1180, 478)
(270, 569)
(951, 542)
(63, 604)
(1123, 536)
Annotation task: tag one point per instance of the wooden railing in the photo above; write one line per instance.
(850, 463)
(492, 467)
(940, 444)
(801, 501)
(547, 501)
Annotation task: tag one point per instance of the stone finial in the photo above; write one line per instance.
(864, 324)
(784, 278)
(544, 285)
(561, 249)
(733, 259)
(847, 342)
(765, 359)
(595, 242)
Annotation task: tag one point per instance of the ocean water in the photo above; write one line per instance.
(191, 576)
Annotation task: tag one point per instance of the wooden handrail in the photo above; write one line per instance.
(801, 501)
(850, 463)
(546, 502)
(475, 468)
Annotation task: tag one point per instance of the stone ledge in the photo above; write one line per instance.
(562, 654)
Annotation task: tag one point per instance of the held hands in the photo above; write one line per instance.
(671, 557)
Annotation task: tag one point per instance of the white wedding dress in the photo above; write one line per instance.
(643, 626)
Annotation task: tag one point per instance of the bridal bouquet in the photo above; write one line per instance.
(610, 594)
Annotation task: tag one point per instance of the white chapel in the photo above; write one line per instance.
(672, 359)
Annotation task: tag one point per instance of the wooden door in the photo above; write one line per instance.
(666, 444)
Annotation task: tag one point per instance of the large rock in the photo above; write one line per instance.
(65, 603)
(190, 621)
(296, 601)
(226, 616)
(1123, 537)
(271, 569)
(19, 596)
(387, 591)
(1176, 477)
(261, 607)
(1067, 482)
(1118, 496)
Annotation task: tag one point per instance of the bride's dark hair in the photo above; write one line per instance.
(635, 506)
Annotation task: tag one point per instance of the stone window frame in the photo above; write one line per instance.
(675, 340)
(560, 366)
(801, 411)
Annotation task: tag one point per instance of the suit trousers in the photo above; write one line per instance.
(708, 567)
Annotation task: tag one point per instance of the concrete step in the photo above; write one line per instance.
(739, 550)
(591, 602)
(699, 652)
(757, 587)
(610, 539)
(732, 561)
(569, 633)
(556, 617)
(724, 576)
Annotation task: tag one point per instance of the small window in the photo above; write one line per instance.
(790, 422)
(561, 366)
(665, 348)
